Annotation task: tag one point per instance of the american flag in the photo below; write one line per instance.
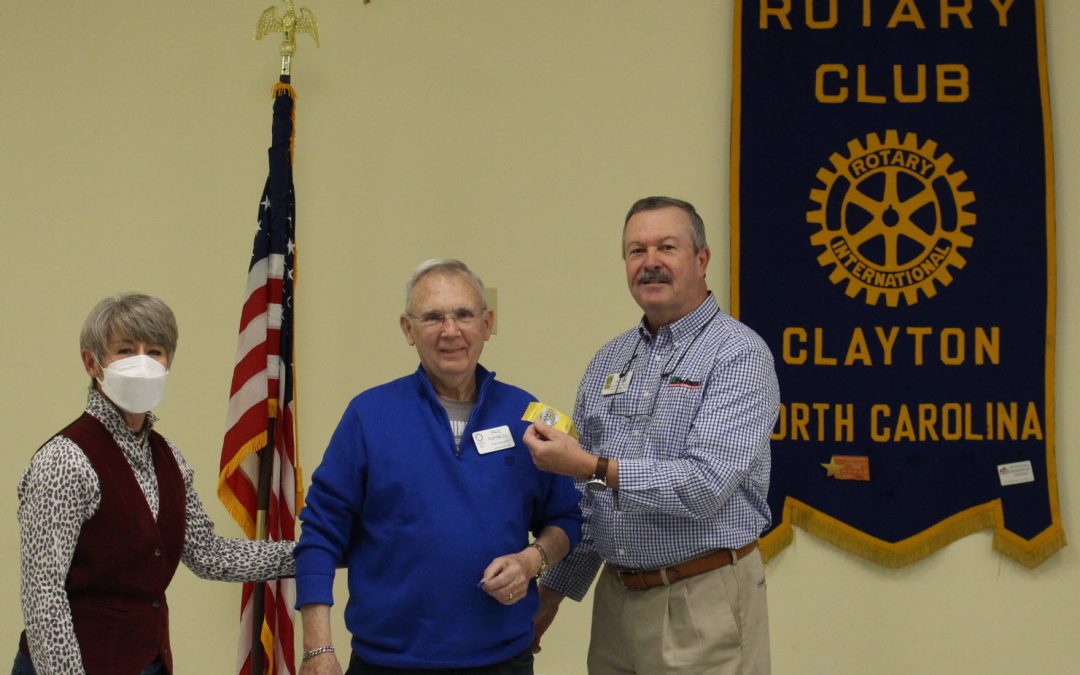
(261, 406)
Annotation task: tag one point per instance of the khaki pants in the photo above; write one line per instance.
(713, 624)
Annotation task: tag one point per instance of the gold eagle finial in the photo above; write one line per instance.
(289, 25)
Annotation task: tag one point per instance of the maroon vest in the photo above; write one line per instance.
(124, 560)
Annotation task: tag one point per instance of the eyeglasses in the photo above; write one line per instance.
(462, 316)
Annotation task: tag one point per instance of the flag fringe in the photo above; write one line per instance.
(232, 503)
(283, 89)
(237, 511)
(1029, 553)
(298, 472)
(286, 89)
(267, 638)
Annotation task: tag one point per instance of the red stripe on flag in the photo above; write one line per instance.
(250, 365)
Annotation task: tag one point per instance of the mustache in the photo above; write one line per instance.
(654, 276)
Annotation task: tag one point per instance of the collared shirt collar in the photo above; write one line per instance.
(689, 325)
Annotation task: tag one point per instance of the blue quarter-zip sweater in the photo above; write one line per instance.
(416, 523)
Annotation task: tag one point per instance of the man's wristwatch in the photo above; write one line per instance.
(598, 482)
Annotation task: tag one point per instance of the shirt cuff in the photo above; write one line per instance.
(574, 575)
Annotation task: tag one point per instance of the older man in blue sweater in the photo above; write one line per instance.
(427, 494)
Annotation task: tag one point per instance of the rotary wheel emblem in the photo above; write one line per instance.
(891, 218)
(549, 417)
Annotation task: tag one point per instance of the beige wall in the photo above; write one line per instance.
(513, 134)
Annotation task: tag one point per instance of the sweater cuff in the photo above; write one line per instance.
(314, 589)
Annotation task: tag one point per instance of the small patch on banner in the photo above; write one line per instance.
(848, 467)
(1015, 473)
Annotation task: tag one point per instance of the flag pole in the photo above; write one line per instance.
(289, 25)
(258, 597)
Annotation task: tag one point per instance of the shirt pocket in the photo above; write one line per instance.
(677, 407)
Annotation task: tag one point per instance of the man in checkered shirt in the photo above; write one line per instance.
(674, 417)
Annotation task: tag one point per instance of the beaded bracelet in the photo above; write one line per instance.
(315, 652)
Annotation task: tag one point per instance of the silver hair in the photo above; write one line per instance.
(443, 266)
(130, 316)
(697, 225)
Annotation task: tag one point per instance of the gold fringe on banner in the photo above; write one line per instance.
(1029, 553)
(776, 541)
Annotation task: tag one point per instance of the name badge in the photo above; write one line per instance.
(616, 384)
(493, 439)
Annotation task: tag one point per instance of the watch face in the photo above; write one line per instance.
(596, 485)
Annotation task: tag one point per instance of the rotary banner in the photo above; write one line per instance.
(893, 242)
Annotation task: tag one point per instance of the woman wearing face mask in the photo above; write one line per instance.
(107, 510)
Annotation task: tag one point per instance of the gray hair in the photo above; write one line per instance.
(443, 266)
(697, 225)
(130, 316)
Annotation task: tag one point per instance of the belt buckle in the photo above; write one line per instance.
(637, 574)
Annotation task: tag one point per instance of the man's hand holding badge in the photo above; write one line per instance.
(552, 440)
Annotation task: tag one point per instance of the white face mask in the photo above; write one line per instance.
(135, 383)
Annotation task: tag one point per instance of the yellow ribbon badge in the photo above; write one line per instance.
(542, 412)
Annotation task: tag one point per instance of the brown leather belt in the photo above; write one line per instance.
(641, 580)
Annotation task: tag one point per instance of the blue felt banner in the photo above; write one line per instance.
(893, 242)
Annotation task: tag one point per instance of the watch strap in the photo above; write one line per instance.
(600, 474)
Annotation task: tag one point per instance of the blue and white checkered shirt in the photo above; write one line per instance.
(691, 435)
